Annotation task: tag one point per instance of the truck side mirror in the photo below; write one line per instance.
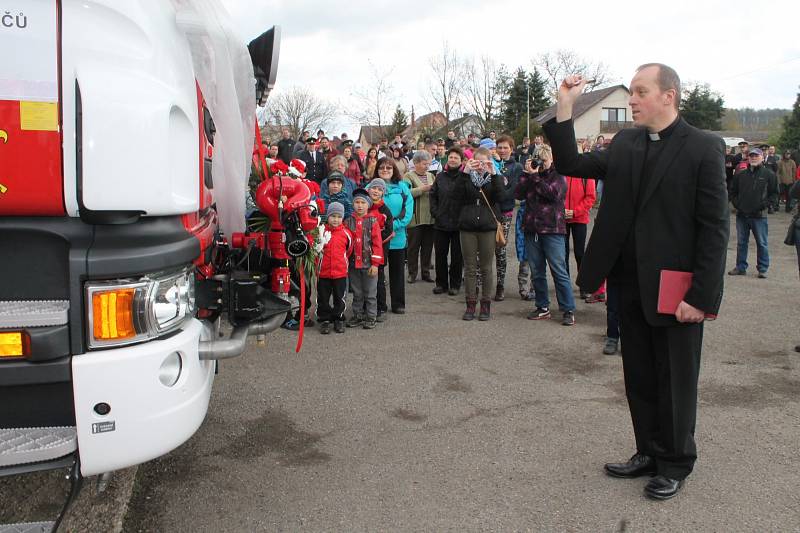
(264, 52)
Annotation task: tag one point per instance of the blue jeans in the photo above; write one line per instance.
(758, 225)
(549, 248)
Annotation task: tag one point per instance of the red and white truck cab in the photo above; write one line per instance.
(126, 137)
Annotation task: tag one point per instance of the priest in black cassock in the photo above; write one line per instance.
(664, 207)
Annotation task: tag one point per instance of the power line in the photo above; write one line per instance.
(759, 69)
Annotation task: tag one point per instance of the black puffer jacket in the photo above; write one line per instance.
(444, 204)
(475, 214)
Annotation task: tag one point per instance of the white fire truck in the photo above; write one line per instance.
(126, 140)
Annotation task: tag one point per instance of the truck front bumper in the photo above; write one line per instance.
(144, 417)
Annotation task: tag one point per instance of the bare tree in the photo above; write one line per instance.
(483, 90)
(558, 64)
(299, 110)
(374, 100)
(447, 84)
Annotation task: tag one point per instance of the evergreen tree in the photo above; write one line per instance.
(515, 103)
(399, 122)
(702, 108)
(539, 98)
(790, 136)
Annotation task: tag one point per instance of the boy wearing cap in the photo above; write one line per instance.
(334, 192)
(379, 210)
(367, 256)
(332, 265)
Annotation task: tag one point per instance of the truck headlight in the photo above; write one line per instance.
(172, 301)
(125, 311)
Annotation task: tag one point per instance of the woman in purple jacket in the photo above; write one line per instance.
(545, 229)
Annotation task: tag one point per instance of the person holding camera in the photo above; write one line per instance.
(544, 191)
(477, 193)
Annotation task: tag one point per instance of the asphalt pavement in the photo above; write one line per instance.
(432, 423)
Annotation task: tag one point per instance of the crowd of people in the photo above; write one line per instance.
(436, 205)
(399, 213)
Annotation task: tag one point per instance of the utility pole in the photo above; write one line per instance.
(528, 86)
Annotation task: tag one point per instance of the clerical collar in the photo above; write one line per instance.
(665, 133)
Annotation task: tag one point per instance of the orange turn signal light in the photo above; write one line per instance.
(112, 312)
(13, 344)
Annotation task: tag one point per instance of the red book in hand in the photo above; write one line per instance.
(672, 287)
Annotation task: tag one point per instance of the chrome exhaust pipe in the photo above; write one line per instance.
(233, 346)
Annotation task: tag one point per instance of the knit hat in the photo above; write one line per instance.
(487, 143)
(362, 193)
(336, 209)
(377, 183)
(336, 176)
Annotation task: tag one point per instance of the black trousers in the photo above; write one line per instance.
(331, 294)
(444, 242)
(661, 366)
(420, 246)
(396, 261)
(612, 309)
(578, 232)
(382, 308)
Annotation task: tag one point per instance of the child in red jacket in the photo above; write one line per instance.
(379, 209)
(332, 272)
(367, 256)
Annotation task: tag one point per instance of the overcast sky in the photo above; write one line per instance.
(750, 56)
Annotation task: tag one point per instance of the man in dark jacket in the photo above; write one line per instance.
(664, 208)
(744, 148)
(753, 191)
(316, 166)
(511, 171)
(445, 211)
(285, 147)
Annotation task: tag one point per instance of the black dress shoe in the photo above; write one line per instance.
(638, 465)
(662, 487)
(399, 310)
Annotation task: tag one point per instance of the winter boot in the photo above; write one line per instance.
(499, 294)
(485, 310)
(469, 314)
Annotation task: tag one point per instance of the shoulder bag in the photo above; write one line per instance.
(499, 236)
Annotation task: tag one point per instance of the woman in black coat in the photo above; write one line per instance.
(477, 224)
(445, 211)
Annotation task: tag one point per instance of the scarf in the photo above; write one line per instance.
(479, 180)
